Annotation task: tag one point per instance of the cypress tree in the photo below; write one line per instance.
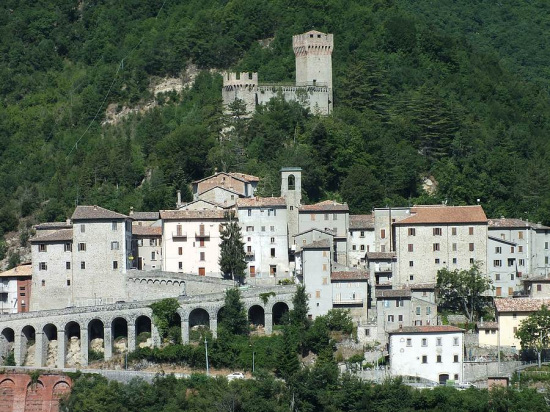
(232, 256)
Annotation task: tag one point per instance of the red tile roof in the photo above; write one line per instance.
(325, 206)
(514, 223)
(318, 244)
(261, 202)
(361, 221)
(192, 214)
(487, 325)
(95, 212)
(18, 271)
(392, 293)
(62, 235)
(350, 275)
(144, 215)
(380, 255)
(520, 304)
(146, 230)
(427, 329)
(243, 176)
(444, 214)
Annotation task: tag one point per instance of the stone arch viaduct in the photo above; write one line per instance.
(18, 332)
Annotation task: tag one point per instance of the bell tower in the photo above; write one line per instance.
(291, 190)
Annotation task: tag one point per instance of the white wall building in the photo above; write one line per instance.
(263, 223)
(191, 241)
(361, 239)
(434, 353)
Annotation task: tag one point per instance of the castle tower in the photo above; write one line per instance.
(313, 51)
(291, 190)
(241, 86)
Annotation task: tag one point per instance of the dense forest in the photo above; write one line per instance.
(454, 91)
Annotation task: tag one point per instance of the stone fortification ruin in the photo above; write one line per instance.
(313, 88)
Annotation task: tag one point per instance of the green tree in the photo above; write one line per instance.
(298, 314)
(463, 290)
(232, 256)
(534, 332)
(233, 317)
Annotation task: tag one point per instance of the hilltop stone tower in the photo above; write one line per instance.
(313, 51)
(313, 88)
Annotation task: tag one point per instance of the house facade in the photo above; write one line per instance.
(361, 239)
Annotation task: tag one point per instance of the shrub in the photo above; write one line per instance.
(94, 355)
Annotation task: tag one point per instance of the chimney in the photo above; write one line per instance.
(95, 207)
(68, 221)
(131, 210)
(178, 202)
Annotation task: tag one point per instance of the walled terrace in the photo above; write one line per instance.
(48, 338)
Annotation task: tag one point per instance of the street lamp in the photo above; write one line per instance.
(253, 357)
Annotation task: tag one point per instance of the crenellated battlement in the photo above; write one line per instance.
(313, 42)
(243, 79)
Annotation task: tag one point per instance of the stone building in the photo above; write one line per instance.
(434, 353)
(291, 191)
(313, 87)
(191, 241)
(350, 290)
(361, 238)
(147, 247)
(83, 265)
(436, 237)
(224, 188)
(263, 222)
(15, 290)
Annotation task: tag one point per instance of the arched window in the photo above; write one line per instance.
(291, 182)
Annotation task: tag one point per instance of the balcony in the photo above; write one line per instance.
(356, 302)
(202, 234)
(179, 235)
(383, 268)
(249, 254)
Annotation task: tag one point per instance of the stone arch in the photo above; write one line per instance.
(119, 333)
(256, 315)
(149, 281)
(7, 389)
(143, 331)
(163, 282)
(28, 348)
(143, 281)
(291, 182)
(49, 345)
(73, 339)
(60, 389)
(220, 313)
(36, 396)
(169, 283)
(279, 309)
(96, 338)
(199, 316)
(7, 341)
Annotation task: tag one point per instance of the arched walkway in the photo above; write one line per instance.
(279, 311)
(198, 318)
(96, 338)
(119, 331)
(49, 347)
(28, 347)
(143, 331)
(7, 340)
(73, 344)
(256, 315)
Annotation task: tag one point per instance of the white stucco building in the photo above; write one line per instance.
(361, 239)
(434, 353)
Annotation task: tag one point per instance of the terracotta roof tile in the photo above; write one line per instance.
(325, 206)
(361, 221)
(427, 329)
(380, 255)
(487, 325)
(420, 286)
(514, 223)
(62, 235)
(146, 230)
(393, 293)
(318, 244)
(53, 225)
(350, 275)
(145, 215)
(261, 202)
(95, 212)
(244, 176)
(18, 271)
(520, 304)
(444, 214)
(192, 214)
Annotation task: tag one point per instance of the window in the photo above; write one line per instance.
(114, 225)
(437, 261)
(250, 228)
(273, 270)
(324, 267)
(317, 294)
(455, 358)
(428, 310)
(539, 288)
(68, 282)
(249, 212)
(367, 332)
(202, 256)
(386, 303)
(68, 265)
(455, 341)
(180, 265)
(390, 318)
(498, 291)
(398, 303)
(411, 263)
(412, 231)
(272, 228)
(180, 251)
(417, 311)
(43, 283)
(498, 250)
(325, 281)
(263, 229)
(272, 240)
(354, 247)
(115, 245)
(512, 249)
(382, 233)
(271, 212)
(272, 252)
(42, 247)
(334, 216)
(153, 256)
(326, 216)
(400, 318)
(362, 233)
(497, 263)
(436, 247)
(411, 277)
(68, 247)
(471, 247)
(471, 261)
(471, 230)
(520, 234)
(291, 208)
(42, 266)
(521, 262)
(82, 228)
(152, 242)
(453, 231)
(455, 261)
(437, 231)
(515, 329)
(410, 247)
(438, 342)
(546, 260)
(312, 217)
(424, 359)
(82, 265)
(511, 262)
(115, 264)
(438, 358)
(503, 236)
(520, 249)
(362, 248)
(424, 342)
(409, 342)
(82, 247)
(454, 247)
(497, 276)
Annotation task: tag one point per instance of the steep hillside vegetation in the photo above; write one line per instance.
(453, 90)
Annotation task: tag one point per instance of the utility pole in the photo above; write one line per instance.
(206, 349)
